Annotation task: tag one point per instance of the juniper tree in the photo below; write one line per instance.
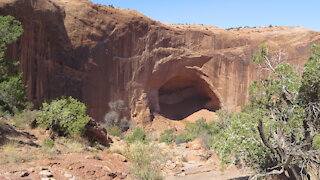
(278, 132)
(12, 89)
(287, 109)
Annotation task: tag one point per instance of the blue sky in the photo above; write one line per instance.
(228, 13)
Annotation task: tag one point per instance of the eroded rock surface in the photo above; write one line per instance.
(100, 54)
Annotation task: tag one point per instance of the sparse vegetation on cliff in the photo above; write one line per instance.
(238, 28)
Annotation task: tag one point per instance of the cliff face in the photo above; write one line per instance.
(100, 54)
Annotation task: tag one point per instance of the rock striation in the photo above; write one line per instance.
(100, 54)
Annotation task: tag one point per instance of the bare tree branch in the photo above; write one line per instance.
(262, 135)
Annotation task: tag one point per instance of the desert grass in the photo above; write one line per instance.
(71, 145)
(12, 152)
(147, 160)
(116, 148)
(25, 119)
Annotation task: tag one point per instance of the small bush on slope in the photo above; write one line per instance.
(199, 129)
(167, 136)
(316, 142)
(48, 143)
(183, 138)
(65, 116)
(115, 131)
(114, 120)
(138, 135)
(147, 161)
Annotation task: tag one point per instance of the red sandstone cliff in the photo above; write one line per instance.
(99, 54)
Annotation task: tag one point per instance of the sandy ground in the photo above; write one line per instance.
(198, 163)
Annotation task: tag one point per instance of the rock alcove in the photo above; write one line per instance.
(185, 94)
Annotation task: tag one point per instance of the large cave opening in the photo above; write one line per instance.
(185, 94)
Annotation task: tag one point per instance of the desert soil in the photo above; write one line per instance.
(192, 161)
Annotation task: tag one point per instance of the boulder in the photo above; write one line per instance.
(95, 132)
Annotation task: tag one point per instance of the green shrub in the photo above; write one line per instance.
(12, 95)
(184, 137)
(316, 143)
(48, 143)
(167, 136)
(197, 128)
(238, 141)
(274, 130)
(147, 161)
(65, 116)
(200, 129)
(115, 131)
(193, 130)
(48, 150)
(138, 134)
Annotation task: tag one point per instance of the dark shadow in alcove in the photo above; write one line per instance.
(184, 95)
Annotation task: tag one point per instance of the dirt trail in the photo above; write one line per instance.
(200, 164)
